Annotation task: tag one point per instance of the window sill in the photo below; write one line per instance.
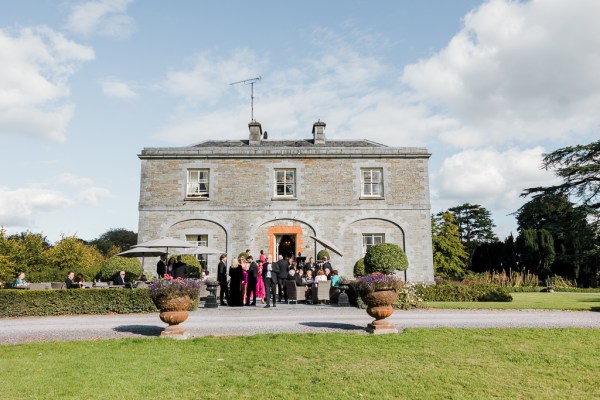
(371, 198)
(283, 198)
(196, 199)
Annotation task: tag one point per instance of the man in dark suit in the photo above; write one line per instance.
(270, 278)
(252, 279)
(120, 279)
(284, 267)
(161, 266)
(180, 269)
(222, 278)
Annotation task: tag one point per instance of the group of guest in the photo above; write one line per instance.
(73, 281)
(264, 279)
(174, 267)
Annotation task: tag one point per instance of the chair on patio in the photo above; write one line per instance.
(295, 293)
(40, 286)
(57, 285)
(321, 292)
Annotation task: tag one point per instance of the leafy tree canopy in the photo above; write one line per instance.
(579, 168)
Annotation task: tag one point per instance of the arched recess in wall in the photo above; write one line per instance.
(372, 227)
(275, 234)
(214, 233)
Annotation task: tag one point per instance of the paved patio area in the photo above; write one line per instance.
(285, 318)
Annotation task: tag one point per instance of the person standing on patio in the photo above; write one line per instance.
(284, 267)
(222, 278)
(270, 278)
(161, 266)
(252, 278)
(235, 284)
(260, 283)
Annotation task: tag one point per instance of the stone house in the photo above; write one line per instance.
(290, 196)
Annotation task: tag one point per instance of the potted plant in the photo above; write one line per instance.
(174, 297)
(379, 288)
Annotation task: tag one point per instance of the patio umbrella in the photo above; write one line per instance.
(142, 252)
(166, 243)
(203, 250)
(327, 244)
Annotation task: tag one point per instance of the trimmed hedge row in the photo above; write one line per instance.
(450, 291)
(28, 303)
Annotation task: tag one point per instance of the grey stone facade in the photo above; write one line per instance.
(243, 210)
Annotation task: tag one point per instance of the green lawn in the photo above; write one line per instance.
(536, 300)
(416, 364)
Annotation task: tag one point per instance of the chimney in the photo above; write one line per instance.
(255, 133)
(319, 132)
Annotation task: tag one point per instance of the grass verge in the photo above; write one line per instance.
(417, 364)
(534, 301)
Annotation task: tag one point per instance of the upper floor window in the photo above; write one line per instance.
(371, 239)
(197, 183)
(285, 182)
(372, 182)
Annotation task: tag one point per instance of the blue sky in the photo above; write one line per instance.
(487, 87)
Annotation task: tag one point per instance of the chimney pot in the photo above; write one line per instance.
(319, 132)
(255, 133)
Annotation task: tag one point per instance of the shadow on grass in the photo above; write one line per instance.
(596, 309)
(144, 330)
(334, 325)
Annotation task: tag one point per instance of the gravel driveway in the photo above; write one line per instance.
(284, 318)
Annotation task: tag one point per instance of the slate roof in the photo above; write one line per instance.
(290, 143)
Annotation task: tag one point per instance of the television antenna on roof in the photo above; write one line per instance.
(250, 82)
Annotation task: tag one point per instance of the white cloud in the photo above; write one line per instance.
(18, 207)
(101, 17)
(91, 196)
(489, 177)
(35, 68)
(517, 71)
(119, 90)
(68, 179)
(209, 78)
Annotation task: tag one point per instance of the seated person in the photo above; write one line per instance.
(180, 269)
(327, 272)
(292, 276)
(319, 278)
(78, 281)
(335, 278)
(120, 279)
(69, 283)
(20, 282)
(309, 276)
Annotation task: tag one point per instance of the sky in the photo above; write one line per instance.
(487, 86)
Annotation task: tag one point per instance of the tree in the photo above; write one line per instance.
(25, 252)
(475, 226)
(71, 253)
(579, 167)
(574, 234)
(536, 247)
(119, 237)
(449, 254)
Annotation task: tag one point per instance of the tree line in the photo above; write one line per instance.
(558, 228)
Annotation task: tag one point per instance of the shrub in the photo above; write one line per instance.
(409, 297)
(111, 267)
(48, 275)
(359, 267)
(453, 291)
(26, 303)
(194, 266)
(385, 258)
(322, 253)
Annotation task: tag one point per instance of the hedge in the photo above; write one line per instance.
(451, 291)
(28, 303)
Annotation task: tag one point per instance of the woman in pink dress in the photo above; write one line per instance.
(244, 278)
(261, 293)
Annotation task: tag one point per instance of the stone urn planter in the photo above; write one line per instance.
(173, 298)
(379, 306)
(173, 311)
(379, 292)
